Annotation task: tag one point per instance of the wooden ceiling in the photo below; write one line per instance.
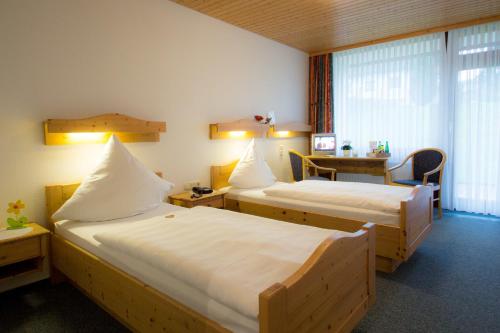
(315, 26)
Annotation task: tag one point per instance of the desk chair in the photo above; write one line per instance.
(302, 166)
(427, 169)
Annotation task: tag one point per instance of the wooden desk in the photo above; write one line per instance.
(366, 165)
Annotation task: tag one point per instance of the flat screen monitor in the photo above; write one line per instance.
(323, 144)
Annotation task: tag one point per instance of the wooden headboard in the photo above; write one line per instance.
(219, 174)
(57, 195)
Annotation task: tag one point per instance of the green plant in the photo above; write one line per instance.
(346, 147)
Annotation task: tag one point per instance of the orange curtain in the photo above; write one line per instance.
(320, 93)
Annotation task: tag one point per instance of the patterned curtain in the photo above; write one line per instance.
(320, 93)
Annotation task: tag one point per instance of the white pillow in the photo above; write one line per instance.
(252, 170)
(119, 187)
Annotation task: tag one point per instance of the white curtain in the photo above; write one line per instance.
(392, 92)
(418, 93)
(474, 63)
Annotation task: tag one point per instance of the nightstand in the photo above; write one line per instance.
(215, 200)
(24, 258)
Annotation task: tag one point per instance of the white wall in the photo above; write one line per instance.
(150, 59)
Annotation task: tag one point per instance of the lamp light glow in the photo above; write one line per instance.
(282, 134)
(237, 134)
(87, 137)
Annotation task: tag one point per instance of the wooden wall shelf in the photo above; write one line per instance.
(241, 129)
(98, 129)
(290, 130)
(246, 129)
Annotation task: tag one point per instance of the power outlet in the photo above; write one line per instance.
(189, 185)
(282, 151)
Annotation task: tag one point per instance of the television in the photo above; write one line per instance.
(323, 144)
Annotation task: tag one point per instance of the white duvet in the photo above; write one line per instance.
(229, 256)
(377, 197)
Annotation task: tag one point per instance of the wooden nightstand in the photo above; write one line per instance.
(215, 200)
(24, 259)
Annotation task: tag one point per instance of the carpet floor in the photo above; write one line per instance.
(451, 284)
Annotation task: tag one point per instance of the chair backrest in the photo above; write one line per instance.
(426, 160)
(296, 161)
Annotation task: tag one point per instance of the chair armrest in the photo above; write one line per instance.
(326, 169)
(311, 164)
(400, 164)
(428, 173)
(395, 167)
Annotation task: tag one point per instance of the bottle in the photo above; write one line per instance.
(387, 147)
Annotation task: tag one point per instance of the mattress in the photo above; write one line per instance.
(82, 234)
(258, 196)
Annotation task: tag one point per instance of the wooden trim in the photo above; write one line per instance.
(238, 130)
(409, 35)
(98, 129)
(275, 132)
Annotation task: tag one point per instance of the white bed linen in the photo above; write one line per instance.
(82, 234)
(258, 196)
(231, 257)
(377, 197)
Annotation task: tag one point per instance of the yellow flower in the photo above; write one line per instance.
(15, 207)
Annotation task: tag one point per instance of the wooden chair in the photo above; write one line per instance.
(302, 166)
(427, 169)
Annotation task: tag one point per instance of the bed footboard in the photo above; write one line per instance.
(135, 304)
(331, 292)
(416, 220)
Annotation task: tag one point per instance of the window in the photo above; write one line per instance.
(391, 92)
(418, 93)
(474, 60)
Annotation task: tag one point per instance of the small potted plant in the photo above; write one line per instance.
(17, 221)
(347, 148)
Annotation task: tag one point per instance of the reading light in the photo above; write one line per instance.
(87, 137)
(237, 134)
(282, 134)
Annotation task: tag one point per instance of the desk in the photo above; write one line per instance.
(374, 166)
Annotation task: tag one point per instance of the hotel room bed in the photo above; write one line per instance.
(398, 232)
(257, 196)
(329, 291)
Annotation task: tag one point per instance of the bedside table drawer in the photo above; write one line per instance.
(215, 203)
(19, 250)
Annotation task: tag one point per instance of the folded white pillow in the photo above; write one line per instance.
(119, 187)
(252, 170)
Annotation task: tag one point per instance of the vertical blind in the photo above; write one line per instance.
(474, 60)
(420, 92)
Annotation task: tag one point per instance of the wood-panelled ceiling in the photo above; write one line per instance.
(319, 25)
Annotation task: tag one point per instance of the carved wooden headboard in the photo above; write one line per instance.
(57, 195)
(219, 174)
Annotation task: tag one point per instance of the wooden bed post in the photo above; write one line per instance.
(272, 305)
(370, 229)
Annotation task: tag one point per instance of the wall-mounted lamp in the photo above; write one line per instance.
(289, 130)
(98, 130)
(241, 129)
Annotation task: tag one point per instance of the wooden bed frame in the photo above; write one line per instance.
(394, 244)
(330, 292)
